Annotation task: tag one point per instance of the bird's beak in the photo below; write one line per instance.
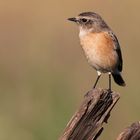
(73, 19)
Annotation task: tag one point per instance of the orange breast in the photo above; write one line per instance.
(100, 51)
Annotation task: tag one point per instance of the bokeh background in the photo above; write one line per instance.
(44, 74)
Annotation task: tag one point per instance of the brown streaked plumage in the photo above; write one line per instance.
(100, 46)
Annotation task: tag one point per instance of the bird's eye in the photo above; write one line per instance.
(84, 20)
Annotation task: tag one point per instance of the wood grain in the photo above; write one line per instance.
(87, 122)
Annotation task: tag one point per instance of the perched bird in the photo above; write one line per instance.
(100, 45)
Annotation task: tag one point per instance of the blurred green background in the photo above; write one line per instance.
(44, 74)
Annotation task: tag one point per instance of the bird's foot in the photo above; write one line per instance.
(109, 90)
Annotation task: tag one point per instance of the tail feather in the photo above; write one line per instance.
(118, 79)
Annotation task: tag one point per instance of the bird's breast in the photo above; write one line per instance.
(99, 51)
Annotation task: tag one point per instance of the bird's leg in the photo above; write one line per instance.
(99, 75)
(109, 81)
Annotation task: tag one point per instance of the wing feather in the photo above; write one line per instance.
(117, 49)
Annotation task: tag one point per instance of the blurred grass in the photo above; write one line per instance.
(43, 73)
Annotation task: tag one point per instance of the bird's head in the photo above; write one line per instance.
(89, 21)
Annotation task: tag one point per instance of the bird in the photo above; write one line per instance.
(100, 45)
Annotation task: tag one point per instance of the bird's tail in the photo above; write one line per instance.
(118, 79)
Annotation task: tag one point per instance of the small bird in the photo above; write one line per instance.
(100, 45)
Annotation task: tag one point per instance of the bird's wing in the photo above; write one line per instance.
(117, 49)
